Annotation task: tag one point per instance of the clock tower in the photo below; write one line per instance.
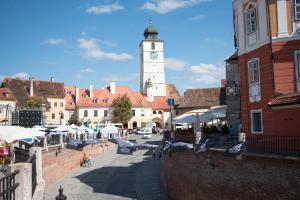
(152, 62)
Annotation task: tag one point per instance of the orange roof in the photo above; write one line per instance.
(160, 103)
(7, 95)
(70, 97)
(103, 97)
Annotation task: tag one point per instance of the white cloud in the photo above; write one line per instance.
(207, 73)
(20, 75)
(119, 78)
(100, 9)
(84, 72)
(198, 17)
(165, 6)
(56, 41)
(175, 64)
(91, 50)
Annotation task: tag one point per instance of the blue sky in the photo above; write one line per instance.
(79, 42)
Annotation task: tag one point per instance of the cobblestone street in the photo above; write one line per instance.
(115, 176)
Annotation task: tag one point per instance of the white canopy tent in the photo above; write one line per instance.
(109, 129)
(14, 133)
(62, 129)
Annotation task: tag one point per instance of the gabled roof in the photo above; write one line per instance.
(203, 98)
(7, 95)
(43, 89)
(285, 100)
(70, 97)
(103, 97)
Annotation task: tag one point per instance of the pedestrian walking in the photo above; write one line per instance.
(154, 153)
(89, 161)
(84, 160)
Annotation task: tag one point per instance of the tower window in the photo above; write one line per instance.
(251, 21)
(152, 45)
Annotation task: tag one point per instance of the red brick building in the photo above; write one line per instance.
(267, 36)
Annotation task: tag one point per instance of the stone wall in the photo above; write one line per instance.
(56, 167)
(186, 175)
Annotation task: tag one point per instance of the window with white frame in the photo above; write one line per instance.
(85, 113)
(253, 71)
(105, 113)
(95, 113)
(251, 21)
(256, 121)
(297, 9)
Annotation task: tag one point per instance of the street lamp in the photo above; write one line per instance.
(43, 109)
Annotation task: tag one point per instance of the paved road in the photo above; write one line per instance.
(115, 176)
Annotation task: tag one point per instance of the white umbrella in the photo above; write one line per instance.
(36, 132)
(13, 133)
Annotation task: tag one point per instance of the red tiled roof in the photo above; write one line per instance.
(101, 95)
(43, 89)
(172, 93)
(289, 99)
(70, 97)
(160, 103)
(203, 98)
(7, 95)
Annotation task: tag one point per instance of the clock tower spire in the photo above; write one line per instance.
(152, 62)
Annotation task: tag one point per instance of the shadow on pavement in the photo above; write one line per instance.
(137, 181)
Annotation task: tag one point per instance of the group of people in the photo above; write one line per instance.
(86, 160)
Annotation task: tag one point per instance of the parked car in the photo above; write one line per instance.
(146, 136)
(130, 131)
(145, 131)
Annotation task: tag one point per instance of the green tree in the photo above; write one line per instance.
(122, 109)
(34, 103)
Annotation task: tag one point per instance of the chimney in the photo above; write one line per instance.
(76, 94)
(52, 79)
(112, 87)
(91, 91)
(31, 87)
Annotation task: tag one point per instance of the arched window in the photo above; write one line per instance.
(251, 19)
(152, 45)
(159, 112)
(154, 112)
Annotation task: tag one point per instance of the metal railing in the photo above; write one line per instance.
(274, 145)
(32, 160)
(8, 186)
(258, 144)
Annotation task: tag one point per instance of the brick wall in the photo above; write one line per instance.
(56, 167)
(187, 175)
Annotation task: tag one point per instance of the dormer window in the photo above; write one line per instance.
(106, 100)
(69, 92)
(95, 100)
(6, 94)
(70, 103)
(251, 20)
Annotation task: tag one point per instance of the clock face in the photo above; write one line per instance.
(153, 55)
